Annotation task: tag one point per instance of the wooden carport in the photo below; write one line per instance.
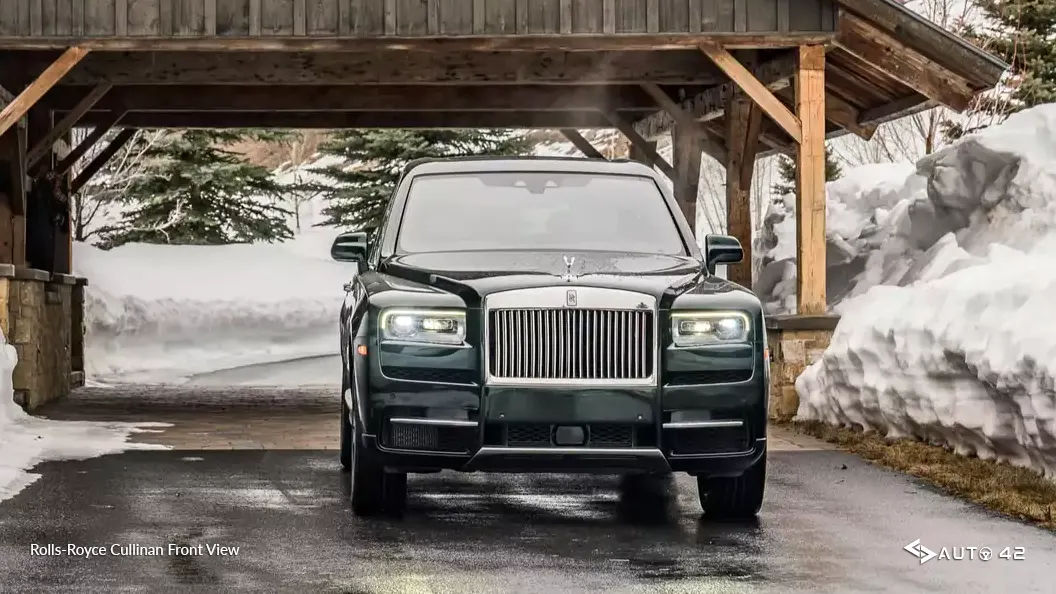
(733, 79)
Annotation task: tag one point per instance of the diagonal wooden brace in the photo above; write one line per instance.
(581, 143)
(44, 145)
(104, 155)
(14, 110)
(754, 89)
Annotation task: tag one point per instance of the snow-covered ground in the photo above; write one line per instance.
(250, 313)
(161, 314)
(946, 280)
(26, 441)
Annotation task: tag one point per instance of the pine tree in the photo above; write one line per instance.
(374, 159)
(193, 191)
(787, 170)
(1022, 32)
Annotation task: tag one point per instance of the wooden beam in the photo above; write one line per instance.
(839, 112)
(642, 145)
(356, 119)
(17, 108)
(744, 120)
(891, 57)
(898, 108)
(930, 39)
(581, 143)
(404, 67)
(93, 167)
(686, 120)
(507, 43)
(711, 103)
(302, 98)
(100, 130)
(686, 152)
(754, 88)
(44, 146)
(810, 182)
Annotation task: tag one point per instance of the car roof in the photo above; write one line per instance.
(499, 164)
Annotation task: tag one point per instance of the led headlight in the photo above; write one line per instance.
(424, 325)
(701, 328)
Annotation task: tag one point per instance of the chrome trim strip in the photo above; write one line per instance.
(429, 345)
(631, 452)
(703, 424)
(443, 422)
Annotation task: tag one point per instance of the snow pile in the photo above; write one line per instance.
(946, 332)
(887, 223)
(159, 313)
(26, 441)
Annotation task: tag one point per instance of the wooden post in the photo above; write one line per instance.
(744, 119)
(810, 181)
(13, 197)
(686, 151)
(638, 153)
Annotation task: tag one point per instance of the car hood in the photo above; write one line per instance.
(474, 275)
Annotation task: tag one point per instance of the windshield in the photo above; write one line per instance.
(537, 211)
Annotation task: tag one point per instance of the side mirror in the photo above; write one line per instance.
(721, 249)
(350, 247)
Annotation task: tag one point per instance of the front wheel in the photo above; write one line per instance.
(346, 436)
(733, 498)
(372, 490)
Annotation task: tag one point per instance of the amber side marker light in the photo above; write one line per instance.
(766, 354)
(362, 350)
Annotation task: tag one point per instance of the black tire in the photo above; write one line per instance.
(394, 487)
(346, 436)
(733, 498)
(647, 498)
(366, 476)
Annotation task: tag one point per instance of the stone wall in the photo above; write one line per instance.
(795, 342)
(37, 317)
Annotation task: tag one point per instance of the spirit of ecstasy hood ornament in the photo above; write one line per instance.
(569, 261)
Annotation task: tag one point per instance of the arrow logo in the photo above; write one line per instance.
(920, 551)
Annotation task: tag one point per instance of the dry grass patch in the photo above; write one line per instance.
(1014, 491)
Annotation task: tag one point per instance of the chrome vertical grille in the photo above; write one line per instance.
(570, 344)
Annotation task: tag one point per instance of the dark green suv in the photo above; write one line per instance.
(548, 315)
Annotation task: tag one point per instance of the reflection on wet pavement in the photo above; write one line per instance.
(830, 523)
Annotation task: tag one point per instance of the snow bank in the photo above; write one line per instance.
(26, 441)
(946, 285)
(158, 313)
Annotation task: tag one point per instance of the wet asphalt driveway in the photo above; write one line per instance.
(831, 523)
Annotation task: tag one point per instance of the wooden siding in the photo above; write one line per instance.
(372, 18)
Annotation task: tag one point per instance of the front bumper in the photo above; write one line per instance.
(713, 430)
(568, 460)
(451, 421)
